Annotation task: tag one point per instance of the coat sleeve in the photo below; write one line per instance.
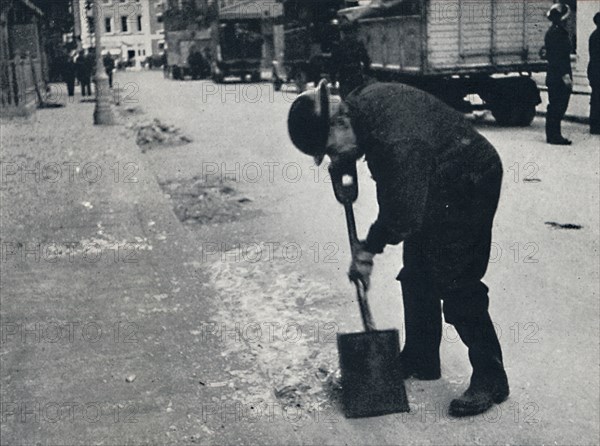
(402, 178)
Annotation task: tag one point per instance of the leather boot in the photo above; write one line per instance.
(423, 327)
(489, 383)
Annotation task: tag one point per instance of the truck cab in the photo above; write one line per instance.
(304, 40)
(239, 49)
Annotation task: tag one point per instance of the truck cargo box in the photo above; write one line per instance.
(453, 37)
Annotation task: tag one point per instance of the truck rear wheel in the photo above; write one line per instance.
(513, 114)
(511, 100)
(218, 78)
(176, 72)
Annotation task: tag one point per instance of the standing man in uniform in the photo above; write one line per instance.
(593, 73)
(438, 184)
(559, 78)
(350, 61)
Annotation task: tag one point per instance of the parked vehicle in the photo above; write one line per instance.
(180, 44)
(488, 48)
(304, 39)
(239, 49)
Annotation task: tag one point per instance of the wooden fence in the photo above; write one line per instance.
(22, 84)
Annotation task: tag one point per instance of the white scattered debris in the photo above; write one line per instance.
(299, 370)
(217, 384)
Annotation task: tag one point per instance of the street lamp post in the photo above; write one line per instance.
(103, 114)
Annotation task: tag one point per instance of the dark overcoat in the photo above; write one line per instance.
(433, 170)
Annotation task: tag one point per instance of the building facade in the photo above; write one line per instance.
(584, 26)
(132, 30)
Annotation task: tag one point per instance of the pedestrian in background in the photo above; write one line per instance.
(69, 71)
(109, 66)
(593, 73)
(84, 73)
(559, 78)
(197, 64)
(165, 64)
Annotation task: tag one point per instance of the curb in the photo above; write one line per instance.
(570, 118)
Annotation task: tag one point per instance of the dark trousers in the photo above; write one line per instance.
(595, 110)
(70, 86)
(446, 261)
(558, 101)
(110, 78)
(86, 87)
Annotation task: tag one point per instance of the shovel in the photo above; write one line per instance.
(372, 382)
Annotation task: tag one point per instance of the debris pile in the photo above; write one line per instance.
(133, 111)
(198, 201)
(150, 134)
(292, 355)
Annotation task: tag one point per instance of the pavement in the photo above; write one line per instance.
(122, 324)
(98, 281)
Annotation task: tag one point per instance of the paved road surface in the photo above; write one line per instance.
(234, 320)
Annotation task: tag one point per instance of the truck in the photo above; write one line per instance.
(304, 38)
(459, 49)
(239, 48)
(180, 44)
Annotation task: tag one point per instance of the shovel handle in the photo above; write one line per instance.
(363, 303)
(347, 194)
(351, 224)
(361, 292)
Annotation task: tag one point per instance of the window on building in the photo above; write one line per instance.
(139, 23)
(124, 23)
(107, 25)
(161, 46)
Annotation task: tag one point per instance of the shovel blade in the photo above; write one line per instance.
(372, 382)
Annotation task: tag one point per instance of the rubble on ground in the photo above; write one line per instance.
(150, 134)
(198, 201)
